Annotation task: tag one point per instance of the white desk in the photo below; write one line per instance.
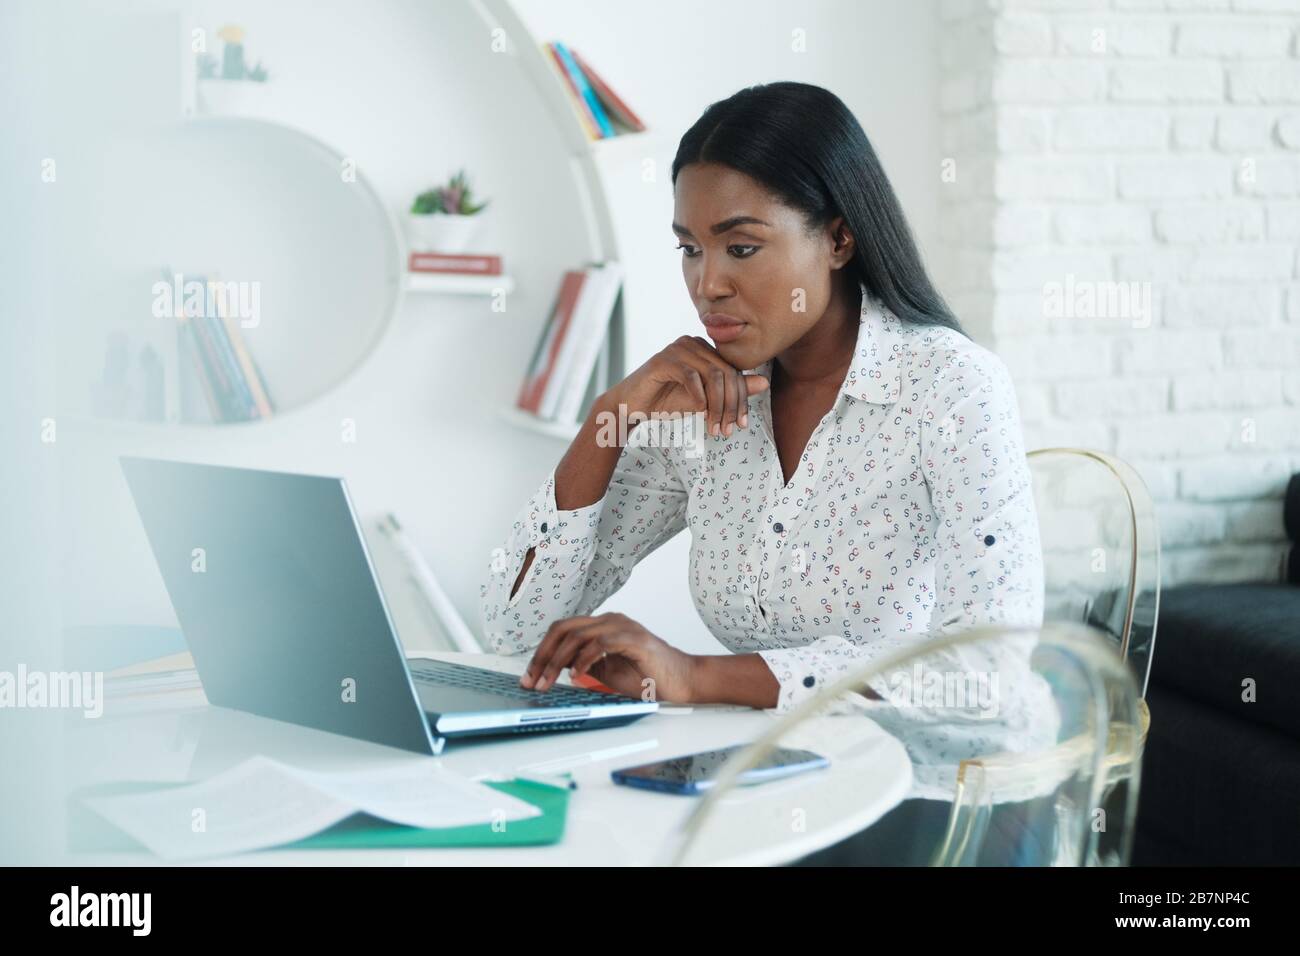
(607, 824)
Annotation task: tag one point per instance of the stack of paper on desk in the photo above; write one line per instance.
(262, 803)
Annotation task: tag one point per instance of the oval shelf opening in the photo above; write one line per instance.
(309, 246)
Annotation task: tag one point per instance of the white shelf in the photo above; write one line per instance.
(443, 284)
(625, 145)
(522, 419)
(236, 99)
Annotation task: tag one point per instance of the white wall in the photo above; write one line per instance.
(412, 91)
(1128, 143)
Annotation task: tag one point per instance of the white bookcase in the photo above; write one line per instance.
(251, 119)
(589, 164)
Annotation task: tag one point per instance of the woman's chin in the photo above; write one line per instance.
(740, 356)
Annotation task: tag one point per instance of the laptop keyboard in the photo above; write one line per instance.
(447, 674)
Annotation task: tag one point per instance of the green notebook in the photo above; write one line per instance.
(362, 830)
(89, 832)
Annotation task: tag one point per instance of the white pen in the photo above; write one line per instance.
(563, 782)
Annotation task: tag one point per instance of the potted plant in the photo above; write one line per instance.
(445, 218)
(229, 86)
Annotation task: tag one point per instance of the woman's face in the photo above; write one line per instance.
(748, 256)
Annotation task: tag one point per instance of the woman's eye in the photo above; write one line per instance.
(745, 251)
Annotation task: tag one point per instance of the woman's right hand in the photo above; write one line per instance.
(690, 376)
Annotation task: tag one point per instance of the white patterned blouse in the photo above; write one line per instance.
(910, 515)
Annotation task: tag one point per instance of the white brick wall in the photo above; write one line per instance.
(1103, 142)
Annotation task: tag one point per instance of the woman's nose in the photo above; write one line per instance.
(711, 280)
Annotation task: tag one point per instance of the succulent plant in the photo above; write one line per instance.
(453, 199)
(207, 65)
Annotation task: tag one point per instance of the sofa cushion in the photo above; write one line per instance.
(1215, 790)
(1212, 637)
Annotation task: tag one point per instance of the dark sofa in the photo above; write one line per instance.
(1220, 775)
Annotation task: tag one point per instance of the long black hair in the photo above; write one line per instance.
(803, 144)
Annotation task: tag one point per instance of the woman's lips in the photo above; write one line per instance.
(723, 328)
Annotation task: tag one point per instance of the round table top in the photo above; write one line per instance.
(607, 824)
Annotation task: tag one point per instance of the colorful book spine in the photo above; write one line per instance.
(619, 111)
(214, 361)
(244, 406)
(214, 366)
(585, 91)
(579, 104)
(193, 361)
(249, 376)
(243, 369)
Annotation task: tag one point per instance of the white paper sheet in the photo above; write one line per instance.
(262, 803)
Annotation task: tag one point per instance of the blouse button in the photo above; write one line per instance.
(989, 539)
(543, 529)
(778, 527)
(809, 681)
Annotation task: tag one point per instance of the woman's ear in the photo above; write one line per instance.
(842, 243)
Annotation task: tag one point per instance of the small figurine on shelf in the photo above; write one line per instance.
(232, 57)
(444, 219)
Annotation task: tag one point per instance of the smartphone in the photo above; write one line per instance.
(695, 773)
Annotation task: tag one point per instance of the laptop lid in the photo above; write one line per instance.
(274, 588)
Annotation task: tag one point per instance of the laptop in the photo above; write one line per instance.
(270, 578)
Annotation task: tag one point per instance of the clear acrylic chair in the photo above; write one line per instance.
(1101, 548)
(1101, 555)
(1015, 735)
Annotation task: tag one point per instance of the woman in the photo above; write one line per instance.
(863, 482)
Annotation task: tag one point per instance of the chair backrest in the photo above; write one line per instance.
(1025, 781)
(1101, 548)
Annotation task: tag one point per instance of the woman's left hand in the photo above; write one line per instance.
(618, 652)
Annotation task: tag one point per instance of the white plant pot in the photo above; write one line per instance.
(217, 97)
(440, 232)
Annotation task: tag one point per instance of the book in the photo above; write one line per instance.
(589, 334)
(618, 110)
(568, 345)
(546, 355)
(198, 400)
(246, 371)
(243, 404)
(211, 373)
(583, 91)
(238, 401)
(580, 105)
(212, 367)
(475, 264)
